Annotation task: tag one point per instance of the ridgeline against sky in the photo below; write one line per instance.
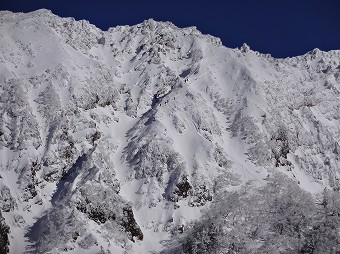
(280, 28)
(156, 139)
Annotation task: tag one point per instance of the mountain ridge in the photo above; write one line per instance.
(153, 119)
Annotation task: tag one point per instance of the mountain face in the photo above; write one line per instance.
(118, 141)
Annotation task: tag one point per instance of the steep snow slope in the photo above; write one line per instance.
(115, 140)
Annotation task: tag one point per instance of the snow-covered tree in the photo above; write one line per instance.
(4, 241)
(278, 217)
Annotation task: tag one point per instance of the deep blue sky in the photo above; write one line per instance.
(282, 28)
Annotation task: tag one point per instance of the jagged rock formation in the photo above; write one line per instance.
(115, 140)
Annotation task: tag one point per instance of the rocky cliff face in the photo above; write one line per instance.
(115, 140)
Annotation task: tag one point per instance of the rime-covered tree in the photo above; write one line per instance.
(4, 242)
(325, 234)
(278, 217)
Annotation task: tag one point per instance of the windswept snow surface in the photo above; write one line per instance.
(115, 140)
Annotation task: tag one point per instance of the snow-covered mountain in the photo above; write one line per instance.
(116, 141)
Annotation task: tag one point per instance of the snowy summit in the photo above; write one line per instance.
(158, 139)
